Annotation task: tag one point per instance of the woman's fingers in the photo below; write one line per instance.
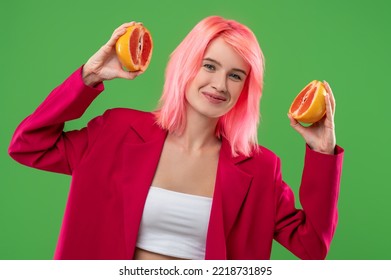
(329, 121)
(296, 125)
(331, 95)
(330, 107)
(129, 75)
(118, 33)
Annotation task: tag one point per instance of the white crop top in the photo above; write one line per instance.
(174, 224)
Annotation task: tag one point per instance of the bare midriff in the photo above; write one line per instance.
(140, 254)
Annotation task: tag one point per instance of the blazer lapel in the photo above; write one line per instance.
(231, 188)
(139, 163)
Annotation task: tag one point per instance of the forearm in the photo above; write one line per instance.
(319, 192)
(308, 232)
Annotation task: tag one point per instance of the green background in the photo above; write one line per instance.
(349, 45)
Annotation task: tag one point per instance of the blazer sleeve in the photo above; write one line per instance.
(308, 232)
(40, 142)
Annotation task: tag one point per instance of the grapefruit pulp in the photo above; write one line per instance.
(309, 105)
(134, 48)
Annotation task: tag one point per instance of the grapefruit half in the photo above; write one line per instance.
(309, 105)
(134, 48)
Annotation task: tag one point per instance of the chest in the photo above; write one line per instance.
(191, 173)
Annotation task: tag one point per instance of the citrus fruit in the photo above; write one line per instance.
(134, 48)
(309, 105)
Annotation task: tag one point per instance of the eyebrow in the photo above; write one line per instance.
(219, 64)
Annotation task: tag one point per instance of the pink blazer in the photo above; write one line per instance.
(113, 161)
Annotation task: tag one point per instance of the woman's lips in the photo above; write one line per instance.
(214, 98)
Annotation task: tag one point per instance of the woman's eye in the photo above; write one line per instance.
(209, 66)
(236, 77)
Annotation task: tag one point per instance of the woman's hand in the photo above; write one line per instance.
(104, 64)
(320, 136)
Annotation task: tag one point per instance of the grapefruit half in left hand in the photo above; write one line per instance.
(134, 48)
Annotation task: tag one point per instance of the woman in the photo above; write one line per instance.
(187, 181)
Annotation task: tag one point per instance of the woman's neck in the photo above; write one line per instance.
(199, 134)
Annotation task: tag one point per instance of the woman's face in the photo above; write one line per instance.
(219, 81)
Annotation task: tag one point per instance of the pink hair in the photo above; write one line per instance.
(239, 126)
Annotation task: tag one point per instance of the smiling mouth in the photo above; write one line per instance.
(215, 96)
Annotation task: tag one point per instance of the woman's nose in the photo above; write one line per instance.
(220, 82)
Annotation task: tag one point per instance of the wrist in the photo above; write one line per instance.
(329, 151)
(90, 78)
